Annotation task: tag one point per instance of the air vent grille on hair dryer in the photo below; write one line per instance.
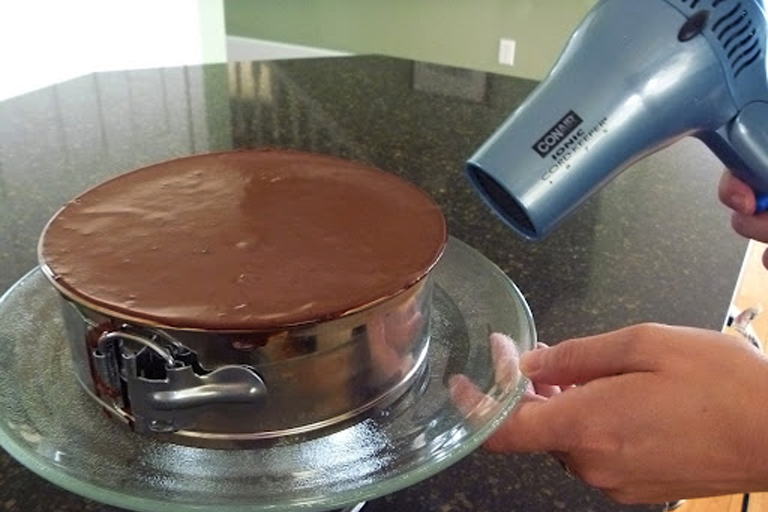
(734, 30)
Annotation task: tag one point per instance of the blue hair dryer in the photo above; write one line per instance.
(635, 77)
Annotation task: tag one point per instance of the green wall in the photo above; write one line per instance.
(463, 33)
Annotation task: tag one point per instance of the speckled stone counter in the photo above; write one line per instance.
(655, 244)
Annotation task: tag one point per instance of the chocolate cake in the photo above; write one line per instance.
(243, 240)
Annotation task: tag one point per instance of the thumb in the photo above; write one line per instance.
(736, 194)
(536, 425)
(581, 360)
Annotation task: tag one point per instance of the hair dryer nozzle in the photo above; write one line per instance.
(504, 203)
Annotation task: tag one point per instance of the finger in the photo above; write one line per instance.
(546, 390)
(535, 426)
(581, 360)
(506, 360)
(736, 194)
(751, 226)
(467, 397)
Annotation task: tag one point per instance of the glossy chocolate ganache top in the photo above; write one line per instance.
(256, 239)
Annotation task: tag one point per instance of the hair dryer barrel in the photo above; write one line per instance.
(623, 88)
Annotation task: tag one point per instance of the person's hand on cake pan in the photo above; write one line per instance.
(656, 413)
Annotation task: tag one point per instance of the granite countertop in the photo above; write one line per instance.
(654, 245)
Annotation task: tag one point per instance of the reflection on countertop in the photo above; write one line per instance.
(655, 244)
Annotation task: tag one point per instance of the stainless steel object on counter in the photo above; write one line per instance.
(220, 389)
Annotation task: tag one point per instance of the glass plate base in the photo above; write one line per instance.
(50, 425)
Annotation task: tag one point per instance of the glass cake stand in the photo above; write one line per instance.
(50, 425)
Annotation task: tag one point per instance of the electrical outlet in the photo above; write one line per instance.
(507, 52)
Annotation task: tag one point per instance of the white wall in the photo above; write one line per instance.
(48, 41)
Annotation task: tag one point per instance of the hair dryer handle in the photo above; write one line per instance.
(748, 137)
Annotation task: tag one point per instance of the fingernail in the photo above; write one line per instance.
(530, 362)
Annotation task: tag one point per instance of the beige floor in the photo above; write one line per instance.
(752, 288)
